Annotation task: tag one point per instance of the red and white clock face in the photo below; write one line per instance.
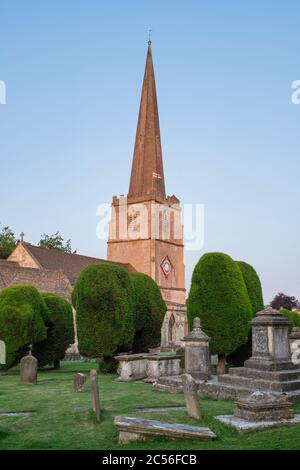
(166, 266)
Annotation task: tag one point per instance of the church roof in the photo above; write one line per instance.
(147, 174)
(44, 280)
(70, 263)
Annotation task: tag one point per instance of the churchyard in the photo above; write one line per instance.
(64, 418)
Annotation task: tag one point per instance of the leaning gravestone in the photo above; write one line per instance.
(190, 388)
(79, 381)
(28, 368)
(95, 393)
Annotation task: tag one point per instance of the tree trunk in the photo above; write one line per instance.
(221, 367)
(56, 364)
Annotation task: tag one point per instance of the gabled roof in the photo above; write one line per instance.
(52, 281)
(70, 263)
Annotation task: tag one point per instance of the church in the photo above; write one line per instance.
(145, 233)
(152, 241)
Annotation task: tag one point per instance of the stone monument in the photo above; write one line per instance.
(79, 381)
(270, 368)
(95, 393)
(261, 410)
(295, 345)
(190, 388)
(260, 406)
(28, 369)
(197, 358)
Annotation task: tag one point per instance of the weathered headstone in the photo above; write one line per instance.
(79, 381)
(95, 393)
(136, 429)
(2, 353)
(197, 358)
(295, 345)
(191, 397)
(28, 369)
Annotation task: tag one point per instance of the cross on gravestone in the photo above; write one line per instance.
(190, 389)
(79, 381)
(95, 393)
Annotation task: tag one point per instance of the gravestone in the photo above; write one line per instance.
(190, 388)
(295, 345)
(79, 381)
(2, 353)
(197, 357)
(95, 393)
(28, 369)
(136, 429)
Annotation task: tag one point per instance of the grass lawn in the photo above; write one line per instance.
(64, 418)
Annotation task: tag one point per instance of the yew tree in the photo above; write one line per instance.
(218, 295)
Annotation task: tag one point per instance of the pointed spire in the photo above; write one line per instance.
(147, 173)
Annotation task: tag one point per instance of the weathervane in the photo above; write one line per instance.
(149, 41)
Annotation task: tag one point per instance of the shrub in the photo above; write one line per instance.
(150, 310)
(292, 316)
(23, 314)
(254, 289)
(282, 300)
(218, 295)
(253, 286)
(102, 298)
(60, 332)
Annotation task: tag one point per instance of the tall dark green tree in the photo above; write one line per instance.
(149, 309)
(8, 242)
(60, 332)
(23, 315)
(218, 296)
(103, 299)
(254, 289)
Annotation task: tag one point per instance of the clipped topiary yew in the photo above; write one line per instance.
(253, 286)
(254, 289)
(103, 299)
(23, 314)
(150, 310)
(218, 296)
(60, 332)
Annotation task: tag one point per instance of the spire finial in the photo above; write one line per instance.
(149, 41)
(22, 237)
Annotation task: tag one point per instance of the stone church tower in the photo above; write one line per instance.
(145, 228)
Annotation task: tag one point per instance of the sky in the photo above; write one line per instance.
(230, 133)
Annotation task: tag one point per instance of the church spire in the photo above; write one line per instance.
(147, 174)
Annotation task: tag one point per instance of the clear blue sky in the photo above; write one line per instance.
(230, 133)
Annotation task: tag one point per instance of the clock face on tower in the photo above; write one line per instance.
(166, 266)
